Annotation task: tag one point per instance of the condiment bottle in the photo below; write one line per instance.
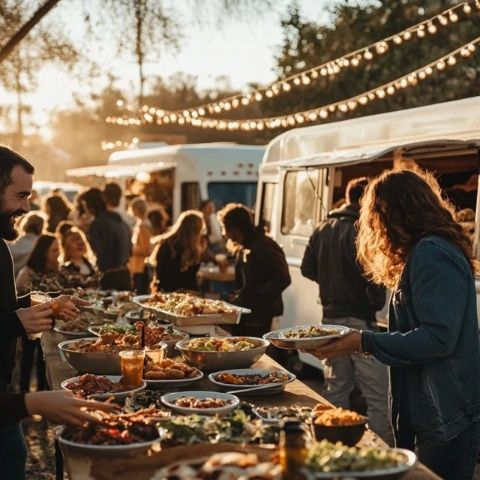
(293, 449)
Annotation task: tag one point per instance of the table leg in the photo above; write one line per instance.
(58, 462)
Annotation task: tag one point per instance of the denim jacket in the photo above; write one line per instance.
(432, 346)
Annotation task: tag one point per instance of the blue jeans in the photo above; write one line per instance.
(456, 459)
(13, 453)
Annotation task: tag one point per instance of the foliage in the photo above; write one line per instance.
(307, 44)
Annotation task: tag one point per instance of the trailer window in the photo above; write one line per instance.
(268, 192)
(222, 193)
(190, 195)
(299, 203)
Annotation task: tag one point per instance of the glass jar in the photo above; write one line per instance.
(294, 441)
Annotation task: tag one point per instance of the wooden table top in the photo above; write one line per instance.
(81, 467)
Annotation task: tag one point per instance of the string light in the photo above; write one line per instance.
(106, 145)
(323, 112)
(330, 68)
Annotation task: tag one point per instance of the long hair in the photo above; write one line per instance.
(37, 260)
(181, 239)
(63, 237)
(58, 208)
(399, 208)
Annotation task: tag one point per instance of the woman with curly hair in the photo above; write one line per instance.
(410, 242)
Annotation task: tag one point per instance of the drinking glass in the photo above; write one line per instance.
(132, 367)
(37, 298)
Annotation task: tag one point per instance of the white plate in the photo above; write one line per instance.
(277, 337)
(69, 334)
(169, 401)
(168, 384)
(119, 396)
(410, 459)
(114, 450)
(274, 387)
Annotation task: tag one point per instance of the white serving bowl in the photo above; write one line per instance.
(169, 401)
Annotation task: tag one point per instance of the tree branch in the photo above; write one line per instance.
(20, 34)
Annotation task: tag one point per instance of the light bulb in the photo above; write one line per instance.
(235, 102)
(432, 28)
(343, 107)
(403, 82)
(471, 47)
(245, 101)
(299, 118)
(286, 86)
(227, 106)
(297, 81)
(441, 65)
(443, 20)
(371, 96)
(453, 17)
(346, 62)
(421, 32)
(291, 120)
(452, 60)
(407, 36)
(352, 104)
(312, 116)
(314, 74)
(269, 94)
(258, 96)
(368, 54)
(422, 75)
(336, 68)
(363, 100)
(429, 70)
(323, 114)
(305, 79)
(355, 62)
(390, 89)
(323, 71)
(467, 8)
(397, 39)
(380, 93)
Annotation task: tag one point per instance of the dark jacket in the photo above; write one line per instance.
(111, 241)
(432, 346)
(12, 408)
(11, 327)
(262, 275)
(330, 259)
(168, 271)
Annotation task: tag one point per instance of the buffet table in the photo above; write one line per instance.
(143, 467)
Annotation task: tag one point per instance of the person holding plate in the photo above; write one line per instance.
(409, 241)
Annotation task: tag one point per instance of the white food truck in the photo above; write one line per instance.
(304, 173)
(180, 176)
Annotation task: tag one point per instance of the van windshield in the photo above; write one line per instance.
(222, 193)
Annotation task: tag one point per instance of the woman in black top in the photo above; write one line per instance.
(177, 255)
(261, 271)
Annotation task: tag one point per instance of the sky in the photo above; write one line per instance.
(243, 52)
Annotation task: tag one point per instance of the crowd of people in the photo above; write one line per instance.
(394, 232)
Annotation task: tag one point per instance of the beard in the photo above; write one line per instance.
(7, 223)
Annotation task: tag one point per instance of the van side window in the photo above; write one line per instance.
(299, 203)
(268, 192)
(190, 195)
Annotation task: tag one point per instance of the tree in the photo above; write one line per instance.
(307, 44)
(45, 44)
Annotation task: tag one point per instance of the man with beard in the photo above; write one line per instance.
(17, 317)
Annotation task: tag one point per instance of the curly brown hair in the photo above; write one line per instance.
(399, 208)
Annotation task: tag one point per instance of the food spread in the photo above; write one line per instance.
(251, 379)
(335, 417)
(168, 369)
(210, 402)
(228, 465)
(185, 304)
(89, 384)
(309, 332)
(215, 344)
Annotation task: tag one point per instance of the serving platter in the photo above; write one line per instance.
(394, 472)
(119, 396)
(73, 334)
(280, 338)
(192, 320)
(170, 398)
(173, 384)
(270, 388)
